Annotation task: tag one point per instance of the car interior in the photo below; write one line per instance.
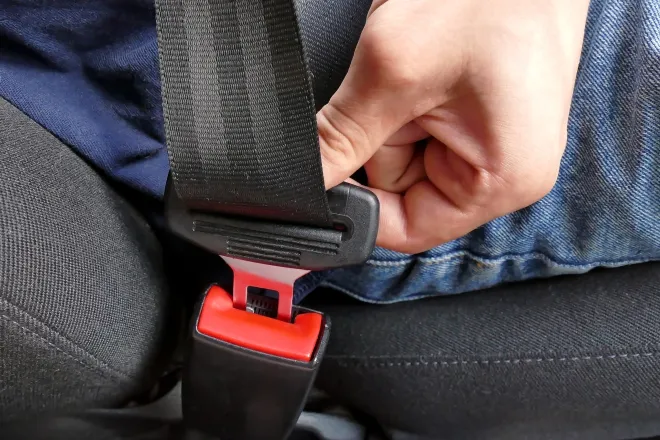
(100, 354)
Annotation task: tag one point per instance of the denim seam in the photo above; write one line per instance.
(500, 259)
(351, 362)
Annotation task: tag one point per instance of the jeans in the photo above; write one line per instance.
(604, 210)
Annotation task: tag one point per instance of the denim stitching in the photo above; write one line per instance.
(501, 259)
(368, 300)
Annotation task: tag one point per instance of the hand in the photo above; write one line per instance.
(458, 109)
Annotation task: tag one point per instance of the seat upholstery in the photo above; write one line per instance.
(573, 357)
(84, 303)
(565, 358)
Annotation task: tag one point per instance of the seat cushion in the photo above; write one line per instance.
(84, 303)
(573, 357)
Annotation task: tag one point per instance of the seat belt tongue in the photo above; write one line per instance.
(353, 210)
(274, 278)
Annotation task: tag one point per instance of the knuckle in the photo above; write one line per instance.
(527, 177)
(342, 137)
(545, 171)
(394, 64)
(524, 187)
(401, 75)
(543, 185)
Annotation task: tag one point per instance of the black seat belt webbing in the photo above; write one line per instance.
(247, 184)
(239, 111)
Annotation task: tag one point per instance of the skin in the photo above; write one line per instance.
(458, 110)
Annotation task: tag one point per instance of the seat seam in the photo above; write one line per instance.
(41, 338)
(348, 361)
(104, 367)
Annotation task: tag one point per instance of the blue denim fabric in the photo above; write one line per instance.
(605, 208)
(88, 72)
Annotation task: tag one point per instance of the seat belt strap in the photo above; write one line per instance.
(247, 184)
(239, 111)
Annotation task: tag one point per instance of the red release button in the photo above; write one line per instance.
(220, 320)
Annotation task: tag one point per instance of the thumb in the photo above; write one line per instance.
(359, 118)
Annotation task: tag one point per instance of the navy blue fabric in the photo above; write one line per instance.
(88, 72)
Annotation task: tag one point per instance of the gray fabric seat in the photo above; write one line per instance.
(84, 304)
(569, 358)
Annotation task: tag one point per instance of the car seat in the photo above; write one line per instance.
(94, 301)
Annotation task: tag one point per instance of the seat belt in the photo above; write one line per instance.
(246, 183)
(238, 109)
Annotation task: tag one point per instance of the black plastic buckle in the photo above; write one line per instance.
(248, 375)
(354, 211)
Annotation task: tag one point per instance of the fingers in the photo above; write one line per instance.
(396, 168)
(387, 86)
(399, 163)
(471, 177)
(455, 198)
(408, 134)
(449, 199)
(358, 120)
(461, 182)
(418, 220)
(347, 138)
